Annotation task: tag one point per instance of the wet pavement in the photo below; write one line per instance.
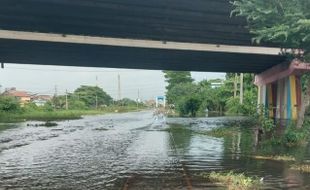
(135, 151)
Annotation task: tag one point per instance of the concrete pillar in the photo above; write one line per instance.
(279, 90)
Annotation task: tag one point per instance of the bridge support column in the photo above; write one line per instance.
(279, 90)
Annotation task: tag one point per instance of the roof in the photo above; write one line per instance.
(42, 97)
(17, 93)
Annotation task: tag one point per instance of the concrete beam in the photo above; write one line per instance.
(296, 67)
(136, 43)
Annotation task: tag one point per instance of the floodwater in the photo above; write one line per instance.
(136, 151)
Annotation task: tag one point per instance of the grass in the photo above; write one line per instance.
(303, 168)
(234, 181)
(276, 158)
(59, 115)
(41, 116)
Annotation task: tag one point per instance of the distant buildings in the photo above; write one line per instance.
(216, 84)
(150, 103)
(25, 97)
(40, 100)
(22, 96)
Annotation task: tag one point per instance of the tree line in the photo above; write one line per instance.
(83, 98)
(190, 98)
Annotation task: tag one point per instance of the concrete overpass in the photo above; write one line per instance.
(193, 35)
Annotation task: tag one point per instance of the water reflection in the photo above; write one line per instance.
(136, 151)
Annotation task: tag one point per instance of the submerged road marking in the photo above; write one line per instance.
(187, 179)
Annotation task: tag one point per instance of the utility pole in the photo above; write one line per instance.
(138, 99)
(55, 93)
(96, 80)
(119, 87)
(235, 85)
(96, 101)
(67, 107)
(55, 97)
(241, 88)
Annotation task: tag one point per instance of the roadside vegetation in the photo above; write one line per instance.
(234, 181)
(190, 99)
(86, 100)
(286, 23)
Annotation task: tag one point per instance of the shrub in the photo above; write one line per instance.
(30, 107)
(234, 181)
(267, 124)
(293, 136)
(188, 106)
(9, 104)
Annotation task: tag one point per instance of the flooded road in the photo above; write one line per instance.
(136, 151)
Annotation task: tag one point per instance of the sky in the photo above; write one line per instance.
(48, 79)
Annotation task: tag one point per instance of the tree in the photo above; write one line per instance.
(248, 107)
(9, 104)
(189, 105)
(75, 104)
(285, 22)
(178, 91)
(126, 102)
(176, 77)
(92, 95)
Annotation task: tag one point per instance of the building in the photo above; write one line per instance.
(23, 96)
(216, 84)
(40, 100)
(150, 103)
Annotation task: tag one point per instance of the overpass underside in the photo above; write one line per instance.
(85, 32)
(89, 55)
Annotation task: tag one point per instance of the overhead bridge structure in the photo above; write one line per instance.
(185, 35)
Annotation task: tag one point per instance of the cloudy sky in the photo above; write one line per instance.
(45, 79)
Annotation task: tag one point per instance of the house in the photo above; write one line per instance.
(40, 100)
(150, 103)
(23, 96)
(216, 84)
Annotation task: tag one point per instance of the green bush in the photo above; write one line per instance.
(234, 181)
(9, 104)
(48, 106)
(188, 106)
(233, 105)
(77, 105)
(30, 107)
(249, 106)
(293, 136)
(267, 124)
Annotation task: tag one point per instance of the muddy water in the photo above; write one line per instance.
(136, 151)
